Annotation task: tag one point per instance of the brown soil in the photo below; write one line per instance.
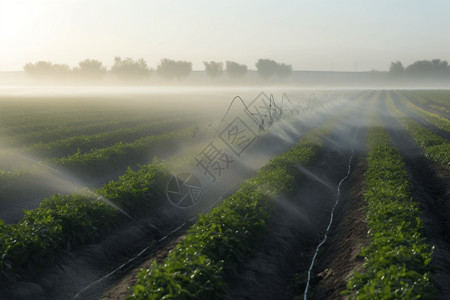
(121, 290)
(340, 259)
(277, 270)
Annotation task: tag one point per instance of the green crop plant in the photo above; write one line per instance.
(222, 238)
(397, 261)
(435, 147)
(138, 192)
(121, 154)
(434, 119)
(59, 223)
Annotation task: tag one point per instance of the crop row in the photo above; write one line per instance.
(48, 135)
(439, 97)
(23, 116)
(17, 187)
(19, 123)
(99, 161)
(32, 183)
(433, 101)
(428, 116)
(397, 261)
(221, 238)
(62, 222)
(84, 143)
(14, 183)
(436, 147)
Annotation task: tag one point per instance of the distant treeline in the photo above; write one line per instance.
(422, 69)
(129, 69)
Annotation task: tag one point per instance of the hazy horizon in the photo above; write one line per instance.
(309, 35)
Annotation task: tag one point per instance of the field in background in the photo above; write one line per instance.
(121, 146)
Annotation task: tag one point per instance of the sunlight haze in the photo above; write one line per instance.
(309, 35)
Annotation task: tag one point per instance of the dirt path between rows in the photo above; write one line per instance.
(340, 258)
(122, 289)
(277, 270)
(431, 189)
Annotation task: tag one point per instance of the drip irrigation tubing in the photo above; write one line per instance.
(325, 237)
(151, 246)
(189, 221)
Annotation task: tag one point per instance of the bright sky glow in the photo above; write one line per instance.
(334, 35)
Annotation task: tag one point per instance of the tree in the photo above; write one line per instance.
(236, 70)
(90, 69)
(129, 69)
(46, 69)
(441, 67)
(174, 69)
(284, 70)
(435, 68)
(397, 69)
(420, 68)
(266, 68)
(213, 69)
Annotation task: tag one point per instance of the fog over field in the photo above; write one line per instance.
(224, 150)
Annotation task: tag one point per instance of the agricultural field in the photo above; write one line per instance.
(222, 193)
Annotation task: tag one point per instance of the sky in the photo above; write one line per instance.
(333, 35)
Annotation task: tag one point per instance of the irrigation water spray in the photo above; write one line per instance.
(265, 119)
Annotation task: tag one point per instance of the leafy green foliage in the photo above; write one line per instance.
(138, 191)
(435, 99)
(9, 178)
(101, 160)
(428, 116)
(439, 153)
(52, 129)
(436, 147)
(397, 261)
(18, 184)
(85, 143)
(221, 238)
(23, 123)
(62, 222)
(59, 223)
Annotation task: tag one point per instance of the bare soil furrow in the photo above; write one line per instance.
(340, 257)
